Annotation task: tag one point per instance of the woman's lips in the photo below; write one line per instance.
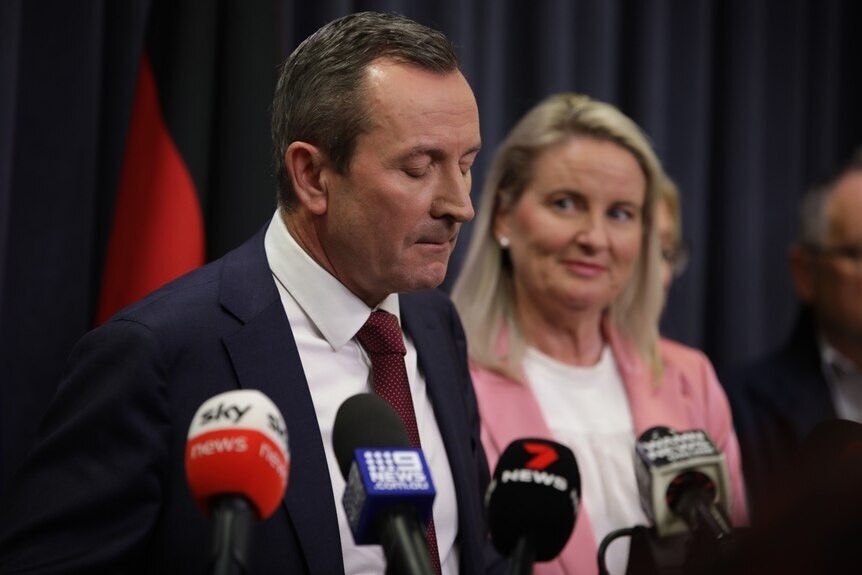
(584, 269)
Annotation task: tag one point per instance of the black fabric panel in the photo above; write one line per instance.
(10, 38)
(242, 178)
(182, 42)
(215, 66)
(72, 73)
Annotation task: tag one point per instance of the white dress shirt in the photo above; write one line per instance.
(325, 317)
(845, 382)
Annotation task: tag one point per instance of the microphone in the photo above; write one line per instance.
(389, 494)
(237, 464)
(532, 501)
(683, 482)
(684, 487)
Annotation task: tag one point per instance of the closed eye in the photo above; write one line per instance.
(416, 172)
(468, 159)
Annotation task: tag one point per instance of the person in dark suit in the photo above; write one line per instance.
(815, 377)
(375, 131)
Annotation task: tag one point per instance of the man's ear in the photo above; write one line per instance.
(305, 163)
(802, 272)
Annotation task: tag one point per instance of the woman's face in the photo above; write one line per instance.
(575, 233)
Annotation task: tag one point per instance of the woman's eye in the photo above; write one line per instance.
(621, 214)
(564, 203)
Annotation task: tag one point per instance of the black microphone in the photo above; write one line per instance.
(389, 494)
(237, 464)
(532, 502)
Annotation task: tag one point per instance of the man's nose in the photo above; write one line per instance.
(453, 197)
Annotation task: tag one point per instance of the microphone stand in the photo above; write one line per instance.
(404, 546)
(712, 548)
(649, 554)
(233, 520)
(523, 557)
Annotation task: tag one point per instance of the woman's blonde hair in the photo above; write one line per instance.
(669, 194)
(484, 290)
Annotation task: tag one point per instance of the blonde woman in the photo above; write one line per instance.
(560, 296)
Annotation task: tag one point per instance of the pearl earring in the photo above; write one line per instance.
(504, 243)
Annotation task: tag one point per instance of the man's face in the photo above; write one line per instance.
(835, 274)
(392, 219)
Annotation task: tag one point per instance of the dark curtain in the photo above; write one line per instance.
(67, 72)
(746, 102)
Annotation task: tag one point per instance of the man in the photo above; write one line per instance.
(816, 376)
(375, 132)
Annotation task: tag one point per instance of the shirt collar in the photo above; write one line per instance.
(835, 364)
(332, 308)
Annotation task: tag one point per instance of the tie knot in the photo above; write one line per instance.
(381, 334)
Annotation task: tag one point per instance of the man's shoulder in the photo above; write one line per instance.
(183, 297)
(753, 369)
(202, 295)
(786, 385)
(779, 365)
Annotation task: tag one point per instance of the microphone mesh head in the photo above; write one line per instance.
(534, 495)
(237, 445)
(365, 420)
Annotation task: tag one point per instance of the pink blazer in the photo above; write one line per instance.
(689, 397)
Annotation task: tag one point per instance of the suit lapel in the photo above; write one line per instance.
(516, 412)
(795, 389)
(434, 348)
(653, 405)
(650, 404)
(798, 394)
(435, 362)
(264, 354)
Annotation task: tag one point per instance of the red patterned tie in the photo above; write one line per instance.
(381, 338)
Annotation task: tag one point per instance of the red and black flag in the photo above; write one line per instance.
(196, 176)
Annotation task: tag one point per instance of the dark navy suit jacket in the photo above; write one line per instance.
(105, 489)
(776, 402)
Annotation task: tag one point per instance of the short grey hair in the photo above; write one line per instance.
(812, 207)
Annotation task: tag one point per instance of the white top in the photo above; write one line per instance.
(845, 382)
(587, 410)
(324, 317)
